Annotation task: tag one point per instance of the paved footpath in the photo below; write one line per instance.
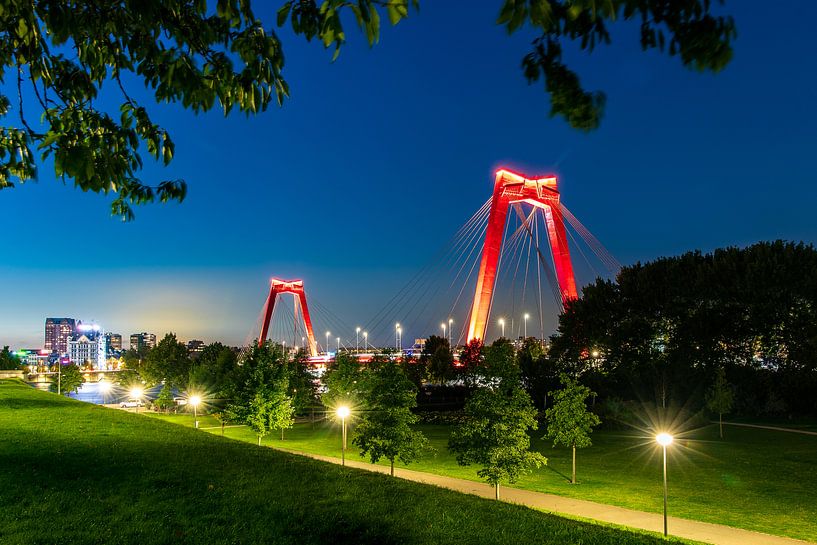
(775, 428)
(688, 529)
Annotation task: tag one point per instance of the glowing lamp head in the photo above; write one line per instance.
(136, 392)
(104, 386)
(343, 412)
(527, 316)
(664, 439)
(194, 400)
(595, 353)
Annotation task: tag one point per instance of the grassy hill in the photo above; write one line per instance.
(77, 473)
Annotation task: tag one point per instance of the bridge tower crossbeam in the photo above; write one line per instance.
(511, 188)
(295, 287)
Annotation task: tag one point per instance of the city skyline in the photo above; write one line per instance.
(201, 269)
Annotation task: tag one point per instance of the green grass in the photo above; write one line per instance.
(78, 473)
(754, 479)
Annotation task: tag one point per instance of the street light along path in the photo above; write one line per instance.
(652, 522)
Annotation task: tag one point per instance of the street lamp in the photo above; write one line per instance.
(326, 346)
(442, 325)
(357, 339)
(338, 344)
(450, 321)
(343, 413)
(396, 335)
(136, 393)
(664, 439)
(526, 316)
(502, 325)
(104, 389)
(194, 402)
(399, 339)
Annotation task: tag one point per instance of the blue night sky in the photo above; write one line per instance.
(378, 158)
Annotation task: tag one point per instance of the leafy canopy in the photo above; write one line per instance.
(69, 381)
(61, 60)
(569, 422)
(385, 429)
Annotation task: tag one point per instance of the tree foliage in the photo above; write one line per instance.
(438, 359)
(8, 361)
(663, 328)
(494, 434)
(168, 361)
(165, 399)
(70, 380)
(719, 397)
(569, 423)
(384, 430)
(345, 383)
(259, 392)
(63, 61)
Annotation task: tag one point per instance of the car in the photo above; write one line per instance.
(131, 403)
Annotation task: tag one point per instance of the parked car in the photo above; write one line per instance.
(131, 403)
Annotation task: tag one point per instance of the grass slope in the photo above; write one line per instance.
(754, 479)
(77, 473)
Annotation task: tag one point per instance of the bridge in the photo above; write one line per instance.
(523, 220)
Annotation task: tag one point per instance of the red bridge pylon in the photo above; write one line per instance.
(295, 287)
(511, 188)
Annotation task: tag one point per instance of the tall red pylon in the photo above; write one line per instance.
(511, 188)
(295, 287)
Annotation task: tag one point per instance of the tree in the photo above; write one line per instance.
(168, 361)
(345, 383)
(8, 361)
(212, 371)
(385, 428)
(438, 359)
(226, 58)
(302, 387)
(259, 392)
(470, 362)
(165, 399)
(70, 380)
(719, 397)
(569, 422)
(494, 435)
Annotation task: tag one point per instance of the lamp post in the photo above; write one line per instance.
(526, 316)
(396, 335)
(450, 322)
(194, 401)
(303, 343)
(502, 325)
(357, 340)
(399, 339)
(326, 346)
(664, 439)
(338, 344)
(343, 413)
(442, 325)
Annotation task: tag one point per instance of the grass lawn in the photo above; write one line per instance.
(78, 473)
(754, 479)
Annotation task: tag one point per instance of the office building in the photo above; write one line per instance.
(58, 331)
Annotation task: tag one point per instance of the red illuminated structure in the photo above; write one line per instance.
(511, 188)
(295, 287)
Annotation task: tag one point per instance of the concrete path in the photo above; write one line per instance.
(775, 428)
(688, 529)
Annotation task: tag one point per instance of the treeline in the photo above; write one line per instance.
(664, 331)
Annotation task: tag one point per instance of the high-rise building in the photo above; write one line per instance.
(142, 341)
(58, 331)
(113, 342)
(195, 347)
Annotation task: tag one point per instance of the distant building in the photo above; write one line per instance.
(113, 342)
(58, 331)
(88, 346)
(195, 347)
(142, 341)
(33, 357)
